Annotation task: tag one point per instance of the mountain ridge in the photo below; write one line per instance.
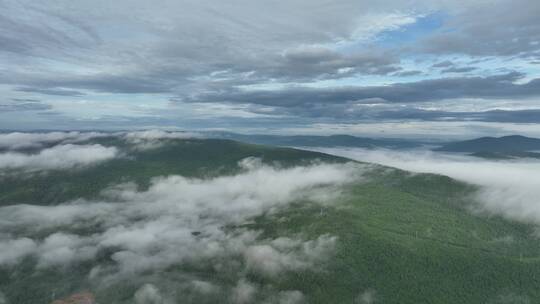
(509, 143)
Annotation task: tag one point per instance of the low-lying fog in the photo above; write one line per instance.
(176, 221)
(508, 187)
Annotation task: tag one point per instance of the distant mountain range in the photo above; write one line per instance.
(495, 148)
(506, 144)
(322, 141)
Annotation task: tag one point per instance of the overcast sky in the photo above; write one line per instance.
(379, 68)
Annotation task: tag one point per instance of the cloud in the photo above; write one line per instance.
(443, 64)
(151, 139)
(308, 48)
(309, 62)
(248, 292)
(496, 86)
(245, 38)
(366, 297)
(13, 250)
(178, 221)
(502, 28)
(285, 254)
(23, 105)
(60, 249)
(510, 188)
(281, 55)
(393, 102)
(56, 92)
(290, 297)
(58, 157)
(149, 294)
(3, 299)
(204, 287)
(23, 140)
(156, 134)
(459, 69)
(244, 292)
(18, 140)
(408, 73)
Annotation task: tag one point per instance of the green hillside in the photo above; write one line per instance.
(191, 158)
(401, 237)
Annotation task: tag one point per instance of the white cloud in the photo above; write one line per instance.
(370, 25)
(178, 220)
(58, 157)
(157, 134)
(286, 254)
(244, 292)
(60, 249)
(65, 154)
(204, 287)
(366, 297)
(13, 250)
(290, 297)
(151, 139)
(21, 140)
(149, 294)
(508, 187)
(18, 140)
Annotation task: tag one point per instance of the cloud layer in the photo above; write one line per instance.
(58, 157)
(510, 188)
(298, 62)
(181, 221)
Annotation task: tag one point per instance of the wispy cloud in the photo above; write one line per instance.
(179, 221)
(510, 188)
(17, 140)
(58, 157)
(80, 60)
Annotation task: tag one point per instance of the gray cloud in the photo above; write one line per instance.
(458, 70)
(23, 104)
(443, 64)
(408, 73)
(165, 63)
(309, 62)
(20, 36)
(210, 51)
(501, 28)
(234, 41)
(46, 91)
(496, 86)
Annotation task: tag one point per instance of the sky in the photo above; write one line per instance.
(416, 68)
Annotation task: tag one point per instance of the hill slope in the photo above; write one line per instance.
(188, 157)
(373, 235)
